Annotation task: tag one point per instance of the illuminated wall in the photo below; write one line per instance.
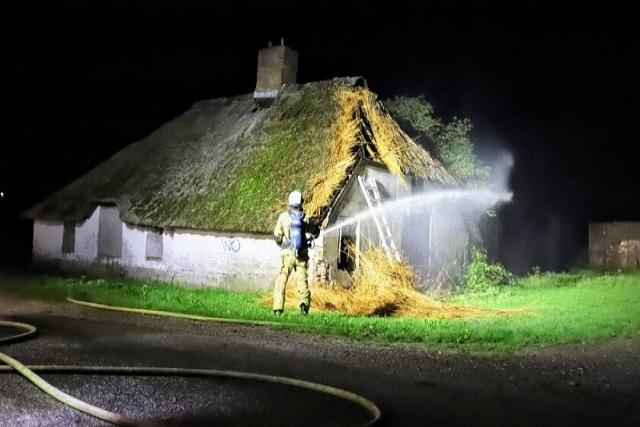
(186, 255)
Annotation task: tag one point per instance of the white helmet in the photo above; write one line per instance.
(295, 198)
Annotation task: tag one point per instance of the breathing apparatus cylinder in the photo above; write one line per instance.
(298, 239)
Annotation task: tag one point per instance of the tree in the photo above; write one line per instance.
(451, 142)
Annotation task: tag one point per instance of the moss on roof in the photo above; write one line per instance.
(224, 165)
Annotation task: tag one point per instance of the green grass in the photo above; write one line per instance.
(548, 309)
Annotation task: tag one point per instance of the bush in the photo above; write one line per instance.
(484, 276)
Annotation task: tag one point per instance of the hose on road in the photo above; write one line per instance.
(28, 331)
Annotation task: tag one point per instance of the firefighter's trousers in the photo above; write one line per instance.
(291, 263)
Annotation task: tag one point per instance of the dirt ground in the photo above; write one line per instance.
(577, 384)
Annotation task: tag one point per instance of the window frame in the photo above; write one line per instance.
(154, 234)
(68, 237)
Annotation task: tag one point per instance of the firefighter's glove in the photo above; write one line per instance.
(283, 242)
(286, 243)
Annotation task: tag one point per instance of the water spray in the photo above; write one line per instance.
(476, 200)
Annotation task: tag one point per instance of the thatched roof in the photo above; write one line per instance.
(224, 165)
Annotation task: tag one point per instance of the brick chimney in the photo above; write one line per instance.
(277, 65)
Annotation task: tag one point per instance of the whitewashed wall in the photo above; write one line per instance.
(194, 257)
(47, 240)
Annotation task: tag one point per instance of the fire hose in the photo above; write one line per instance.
(29, 372)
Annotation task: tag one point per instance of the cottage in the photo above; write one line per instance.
(196, 201)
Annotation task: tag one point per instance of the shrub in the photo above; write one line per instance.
(483, 275)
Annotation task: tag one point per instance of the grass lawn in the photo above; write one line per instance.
(547, 308)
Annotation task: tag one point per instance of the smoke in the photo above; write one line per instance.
(501, 165)
(501, 162)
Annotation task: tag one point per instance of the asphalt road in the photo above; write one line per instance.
(579, 384)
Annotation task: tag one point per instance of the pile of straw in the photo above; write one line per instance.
(381, 287)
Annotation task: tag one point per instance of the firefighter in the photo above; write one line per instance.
(294, 234)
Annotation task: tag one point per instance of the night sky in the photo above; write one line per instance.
(558, 87)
